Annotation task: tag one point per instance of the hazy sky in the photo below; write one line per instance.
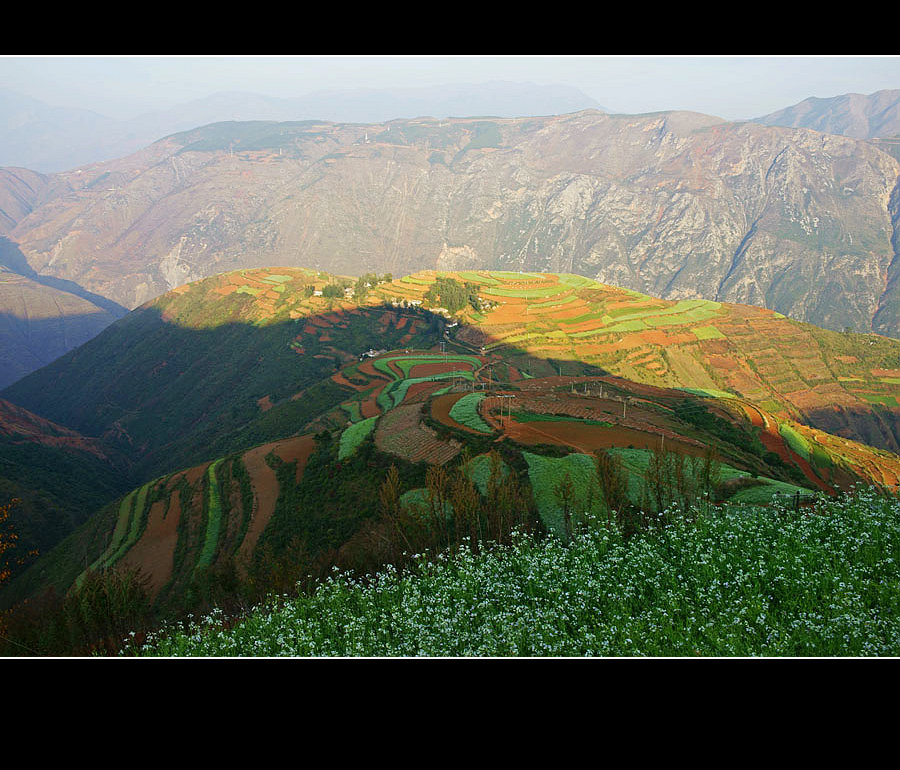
(730, 87)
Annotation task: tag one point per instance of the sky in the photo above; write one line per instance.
(734, 88)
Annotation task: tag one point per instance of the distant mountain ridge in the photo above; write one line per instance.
(860, 116)
(50, 139)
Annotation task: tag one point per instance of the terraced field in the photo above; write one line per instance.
(791, 369)
(205, 509)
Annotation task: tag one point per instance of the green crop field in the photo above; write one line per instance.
(354, 435)
(465, 412)
(476, 278)
(513, 277)
(532, 417)
(545, 475)
(394, 393)
(795, 441)
(541, 291)
(554, 302)
(708, 333)
(213, 518)
(479, 471)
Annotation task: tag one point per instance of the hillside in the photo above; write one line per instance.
(59, 477)
(39, 323)
(261, 422)
(231, 529)
(676, 205)
(221, 362)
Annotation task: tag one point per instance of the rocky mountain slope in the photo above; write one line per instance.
(677, 205)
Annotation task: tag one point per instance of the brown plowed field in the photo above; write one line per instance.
(589, 438)
(154, 553)
(265, 493)
(369, 370)
(419, 391)
(402, 433)
(341, 380)
(265, 483)
(441, 406)
(438, 367)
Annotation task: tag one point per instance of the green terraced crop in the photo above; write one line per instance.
(136, 525)
(597, 315)
(406, 363)
(353, 436)
(555, 303)
(707, 333)
(476, 278)
(575, 281)
(633, 325)
(213, 518)
(543, 291)
(352, 409)
(709, 392)
(465, 412)
(532, 417)
(795, 441)
(393, 394)
(512, 277)
(545, 475)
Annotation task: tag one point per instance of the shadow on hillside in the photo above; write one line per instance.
(12, 258)
(27, 344)
(175, 394)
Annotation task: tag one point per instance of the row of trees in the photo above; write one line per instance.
(673, 480)
(454, 512)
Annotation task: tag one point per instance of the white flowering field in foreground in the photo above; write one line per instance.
(740, 581)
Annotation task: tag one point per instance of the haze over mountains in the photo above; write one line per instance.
(48, 139)
(677, 205)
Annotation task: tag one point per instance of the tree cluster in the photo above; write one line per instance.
(452, 295)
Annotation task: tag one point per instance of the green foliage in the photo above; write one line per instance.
(451, 294)
(694, 413)
(100, 616)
